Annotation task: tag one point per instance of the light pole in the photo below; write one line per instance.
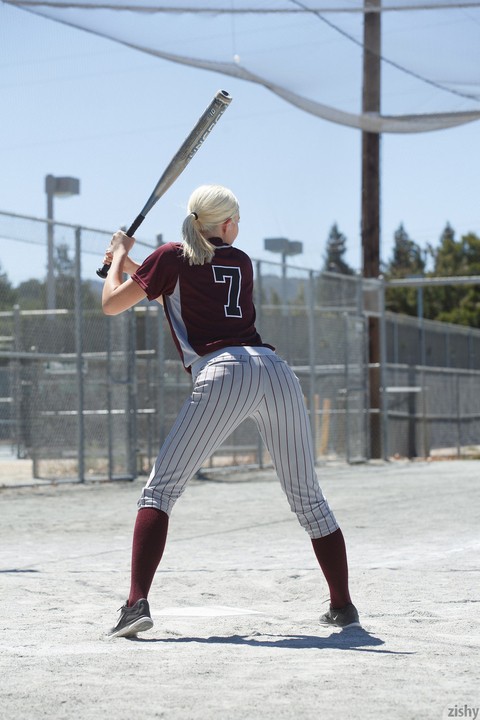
(285, 247)
(55, 187)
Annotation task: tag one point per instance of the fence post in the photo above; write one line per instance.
(161, 375)
(150, 419)
(383, 370)
(421, 320)
(259, 311)
(79, 356)
(109, 397)
(346, 365)
(366, 393)
(426, 444)
(470, 350)
(258, 294)
(365, 365)
(312, 359)
(359, 295)
(17, 386)
(131, 394)
(458, 414)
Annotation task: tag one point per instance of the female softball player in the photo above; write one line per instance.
(206, 287)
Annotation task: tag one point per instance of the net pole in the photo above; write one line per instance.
(370, 222)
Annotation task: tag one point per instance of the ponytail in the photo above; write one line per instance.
(209, 206)
(196, 248)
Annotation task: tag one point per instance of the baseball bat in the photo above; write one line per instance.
(180, 160)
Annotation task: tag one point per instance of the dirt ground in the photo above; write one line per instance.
(237, 598)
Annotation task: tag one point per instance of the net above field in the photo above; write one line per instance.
(310, 53)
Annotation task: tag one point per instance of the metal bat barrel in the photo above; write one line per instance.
(189, 147)
(177, 165)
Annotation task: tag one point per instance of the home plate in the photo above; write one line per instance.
(210, 611)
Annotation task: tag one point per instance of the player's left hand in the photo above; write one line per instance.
(121, 240)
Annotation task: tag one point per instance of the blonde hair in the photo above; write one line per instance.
(208, 207)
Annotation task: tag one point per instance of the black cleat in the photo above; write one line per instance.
(341, 617)
(132, 620)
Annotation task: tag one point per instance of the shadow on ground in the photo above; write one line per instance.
(349, 639)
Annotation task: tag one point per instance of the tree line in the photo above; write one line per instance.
(452, 257)
(32, 294)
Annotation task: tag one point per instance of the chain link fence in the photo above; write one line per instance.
(85, 396)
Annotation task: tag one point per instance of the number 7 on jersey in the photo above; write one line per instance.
(233, 276)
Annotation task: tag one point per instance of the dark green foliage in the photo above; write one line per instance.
(31, 294)
(8, 295)
(335, 250)
(457, 304)
(407, 261)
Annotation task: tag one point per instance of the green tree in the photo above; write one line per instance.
(32, 295)
(457, 257)
(407, 258)
(63, 264)
(8, 295)
(407, 261)
(456, 303)
(335, 251)
(64, 268)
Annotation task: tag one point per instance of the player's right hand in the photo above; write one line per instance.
(108, 257)
(129, 265)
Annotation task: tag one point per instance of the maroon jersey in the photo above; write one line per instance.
(208, 306)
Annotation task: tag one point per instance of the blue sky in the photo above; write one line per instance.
(75, 104)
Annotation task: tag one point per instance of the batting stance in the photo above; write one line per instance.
(206, 287)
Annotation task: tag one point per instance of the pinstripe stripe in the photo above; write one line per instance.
(291, 479)
(299, 484)
(235, 419)
(226, 392)
(174, 476)
(300, 430)
(185, 448)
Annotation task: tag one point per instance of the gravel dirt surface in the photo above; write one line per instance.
(237, 598)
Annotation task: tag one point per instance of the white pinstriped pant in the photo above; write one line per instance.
(234, 384)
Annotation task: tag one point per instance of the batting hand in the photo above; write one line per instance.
(120, 244)
(129, 265)
(121, 241)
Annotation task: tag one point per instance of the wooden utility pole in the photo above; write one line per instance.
(371, 200)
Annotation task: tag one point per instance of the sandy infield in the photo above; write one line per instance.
(237, 598)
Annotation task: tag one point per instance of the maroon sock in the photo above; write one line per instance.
(149, 538)
(332, 557)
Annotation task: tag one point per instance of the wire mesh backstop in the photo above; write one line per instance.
(88, 396)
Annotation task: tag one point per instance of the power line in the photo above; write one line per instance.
(240, 11)
(392, 63)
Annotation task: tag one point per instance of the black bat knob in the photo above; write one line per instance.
(103, 271)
